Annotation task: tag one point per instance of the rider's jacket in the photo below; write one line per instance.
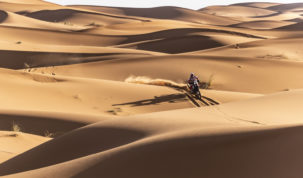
(192, 79)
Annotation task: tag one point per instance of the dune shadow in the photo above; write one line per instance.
(181, 32)
(43, 59)
(180, 40)
(38, 125)
(293, 27)
(269, 15)
(59, 15)
(220, 155)
(89, 141)
(3, 16)
(180, 44)
(173, 98)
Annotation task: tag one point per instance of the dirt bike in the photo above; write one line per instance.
(195, 89)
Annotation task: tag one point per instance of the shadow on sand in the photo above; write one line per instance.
(208, 101)
(173, 98)
(205, 100)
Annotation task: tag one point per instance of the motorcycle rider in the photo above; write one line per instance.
(191, 81)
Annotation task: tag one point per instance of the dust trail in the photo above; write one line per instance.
(168, 83)
(158, 82)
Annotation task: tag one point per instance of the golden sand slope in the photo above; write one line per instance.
(225, 72)
(10, 19)
(48, 93)
(237, 11)
(263, 5)
(239, 132)
(108, 85)
(28, 2)
(264, 24)
(14, 143)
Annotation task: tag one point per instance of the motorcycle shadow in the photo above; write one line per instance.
(210, 101)
(205, 100)
(172, 98)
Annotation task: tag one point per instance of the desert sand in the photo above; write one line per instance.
(89, 91)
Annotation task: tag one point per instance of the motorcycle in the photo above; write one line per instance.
(194, 89)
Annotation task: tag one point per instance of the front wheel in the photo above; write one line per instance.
(198, 95)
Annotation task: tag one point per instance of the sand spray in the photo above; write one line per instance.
(159, 82)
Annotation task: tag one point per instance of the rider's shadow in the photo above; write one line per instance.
(205, 100)
(172, 98)
(208, 101)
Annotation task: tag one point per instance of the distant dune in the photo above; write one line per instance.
(237, 11)
(92, 91)
(294, 27)
(287, 7)
(262, 5)
(264, 24)
(171, 13)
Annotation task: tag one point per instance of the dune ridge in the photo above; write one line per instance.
(168, 12)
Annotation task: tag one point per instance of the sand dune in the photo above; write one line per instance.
(187, 44)
(287, 7)
(14, 143)
(30, 55)
(237, 11)
(295, 27)
(172, 13)
(153, 141)
(15, 20)
(227, 73)
(286, 49)
(263, 5)
(21, 8)
(22, 35)
(249, 12)
(257, 142)
(71, 17)
(27, 2)
(190, 39)
(90, 96)
(89, 91)
(282, 17)
(263, 25)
